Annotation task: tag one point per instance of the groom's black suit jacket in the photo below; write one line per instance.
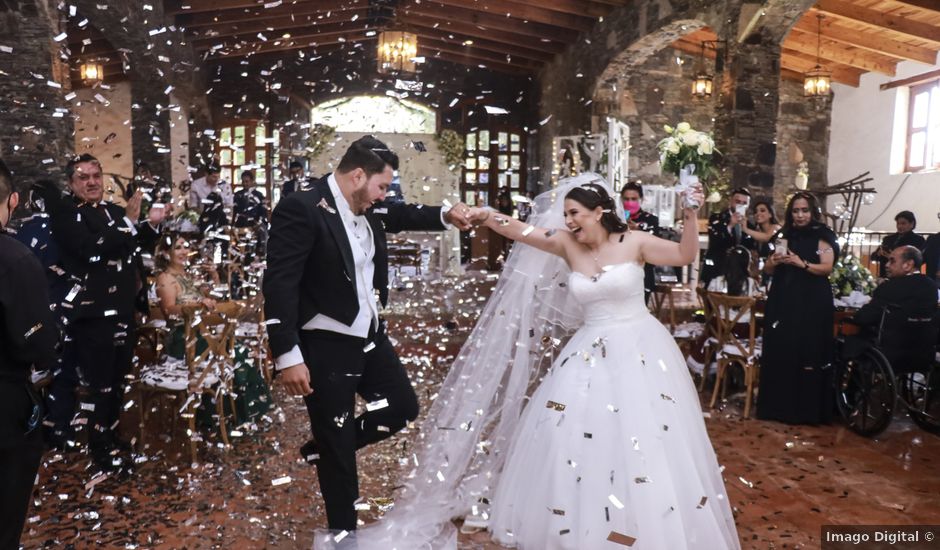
(310, 263)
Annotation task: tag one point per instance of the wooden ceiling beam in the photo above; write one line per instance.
(478, 64)
(477, 54)
(806, 43)
(474, 32)
(693, 48)
(800, 63)
(227, 29)
(287, 45)
(181, 7)
(259, 12)
(488, 21)
(460, 41)
(290, 54)
(526, 12)
(884, 21)
(926, 5)
(296, 33)
(588, 8)
(831, 30)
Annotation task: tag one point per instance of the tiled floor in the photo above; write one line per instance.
(784, 482)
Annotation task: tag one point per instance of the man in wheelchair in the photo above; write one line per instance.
(901, 318)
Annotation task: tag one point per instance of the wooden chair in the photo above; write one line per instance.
(252, 333)
(710, 337)
(729, 312)
(662, 295)
(205, 372)
(404, 254)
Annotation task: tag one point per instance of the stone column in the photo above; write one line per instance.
(746, 120)
(36, 134)
(150, 122)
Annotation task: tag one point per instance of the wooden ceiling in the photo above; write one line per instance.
(86, 43)
(856, 37)
(509, 36)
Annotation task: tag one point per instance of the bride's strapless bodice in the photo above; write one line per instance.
(616, 294)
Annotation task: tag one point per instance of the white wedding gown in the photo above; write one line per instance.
(612, 448)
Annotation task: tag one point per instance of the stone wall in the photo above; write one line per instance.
(649, 96)
(802, 135)
(36, 134)
(625, 68)
(590, 69)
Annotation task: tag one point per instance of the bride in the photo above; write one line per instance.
(610, 449)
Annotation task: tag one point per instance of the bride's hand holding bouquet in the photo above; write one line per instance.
(688, 154)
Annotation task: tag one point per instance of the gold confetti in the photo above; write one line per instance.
(701, 503)
(555, 405)
(620, 538)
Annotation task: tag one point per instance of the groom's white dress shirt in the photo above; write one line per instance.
(362, 243)
(359, 233)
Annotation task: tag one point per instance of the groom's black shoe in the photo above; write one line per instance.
(310, 452)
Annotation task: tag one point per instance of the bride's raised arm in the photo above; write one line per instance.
(658, 251)
(553, 241)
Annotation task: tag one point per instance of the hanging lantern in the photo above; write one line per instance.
(703, 81)
(91, 72)
(702, 85)
(397, 52)
(817, 82)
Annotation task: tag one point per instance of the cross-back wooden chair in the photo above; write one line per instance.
(729, 312)
(710, 340)
(206, 371)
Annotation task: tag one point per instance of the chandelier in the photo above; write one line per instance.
(91, 72)
(817, 82)
(397, 52)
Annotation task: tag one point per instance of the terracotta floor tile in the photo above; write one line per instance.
(784, 482)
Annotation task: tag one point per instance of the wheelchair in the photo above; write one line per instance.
(895, 365)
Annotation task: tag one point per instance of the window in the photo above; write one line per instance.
(494, 160)
(376, 115)
(250, 146)
(923, 127)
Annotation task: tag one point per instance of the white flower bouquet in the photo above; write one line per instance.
(688, 154)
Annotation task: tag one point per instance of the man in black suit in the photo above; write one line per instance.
(327, 260)
(27, 337)
(249, 209)
(99, 248)
(297, 181)
(639, 219)
(905, 222)
(725, 231)
(906, 289)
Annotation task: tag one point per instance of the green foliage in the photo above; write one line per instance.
(451, 145)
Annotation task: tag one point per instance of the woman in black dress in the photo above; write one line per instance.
(796, 374)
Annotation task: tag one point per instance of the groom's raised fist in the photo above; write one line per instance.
(296, 380)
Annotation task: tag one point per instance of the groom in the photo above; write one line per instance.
(327, 268)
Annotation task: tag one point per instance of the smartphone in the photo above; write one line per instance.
(780, 247)
(741, 209)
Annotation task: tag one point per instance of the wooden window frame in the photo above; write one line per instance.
(929, 164)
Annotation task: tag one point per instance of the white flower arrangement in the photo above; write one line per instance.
(686, 146)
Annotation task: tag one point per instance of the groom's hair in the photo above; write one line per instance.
(369, 154)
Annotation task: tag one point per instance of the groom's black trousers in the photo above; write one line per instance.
(339, 369)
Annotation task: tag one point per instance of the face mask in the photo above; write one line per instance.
(632, 207)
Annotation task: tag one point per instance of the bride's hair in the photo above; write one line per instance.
(592, 195)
